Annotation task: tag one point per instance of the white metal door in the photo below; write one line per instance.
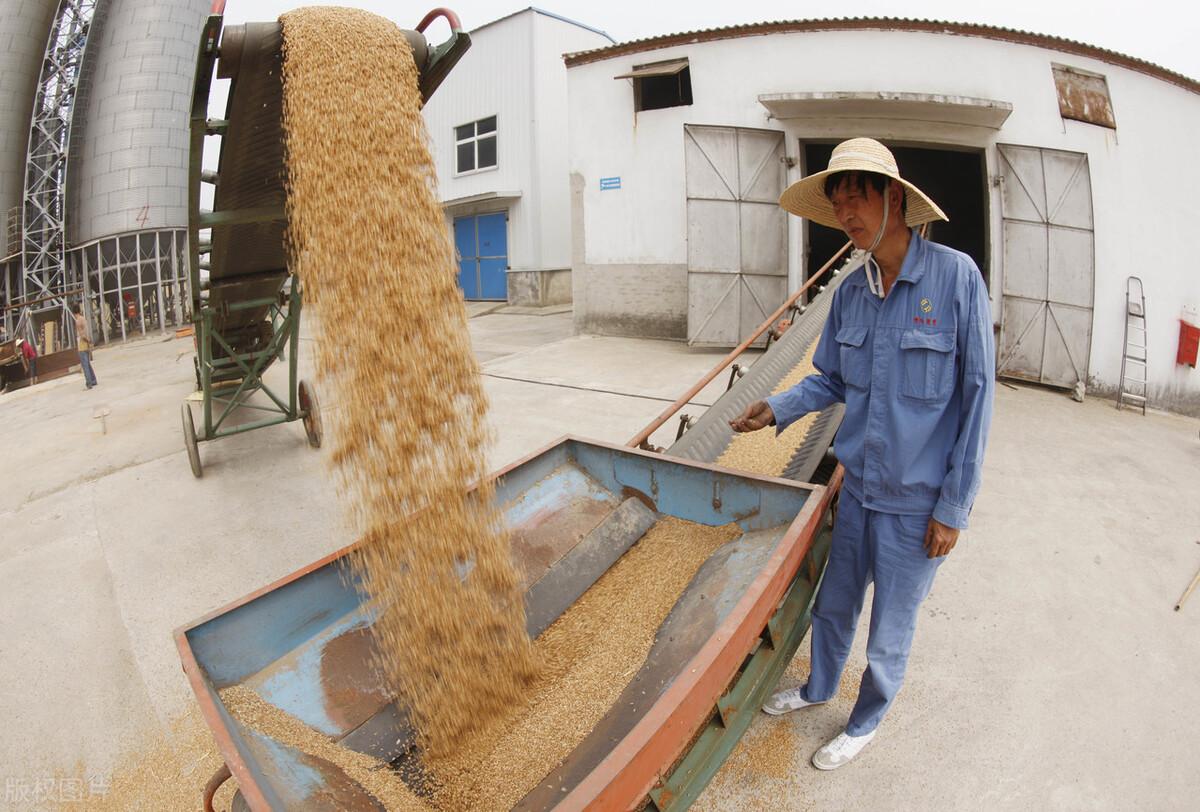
(1049, 265)
(737, 234)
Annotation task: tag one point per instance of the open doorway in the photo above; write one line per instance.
(953, 178)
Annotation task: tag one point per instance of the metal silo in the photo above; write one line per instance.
(128, 186)
(24, 26)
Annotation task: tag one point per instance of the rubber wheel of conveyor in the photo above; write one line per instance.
(708, 438)
(310, 407)
(189, 440)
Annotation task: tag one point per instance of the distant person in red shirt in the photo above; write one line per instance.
(28, 358)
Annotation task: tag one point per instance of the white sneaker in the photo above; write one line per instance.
(787, 701)
(840, 750)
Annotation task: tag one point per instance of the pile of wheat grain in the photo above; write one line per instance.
(160, 769)
(762, 452)
(369, 241)
(378, 779)
(587, 669)
(587, 666)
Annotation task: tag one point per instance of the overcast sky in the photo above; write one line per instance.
(1161, 31)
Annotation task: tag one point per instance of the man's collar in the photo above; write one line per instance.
(911, 270)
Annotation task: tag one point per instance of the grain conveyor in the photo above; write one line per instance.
(246, 303)
(707, 438)
(304, 644)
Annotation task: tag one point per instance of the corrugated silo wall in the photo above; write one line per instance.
(24, 27)
(131, 169)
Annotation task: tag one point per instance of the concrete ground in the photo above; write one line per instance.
(1049, 670)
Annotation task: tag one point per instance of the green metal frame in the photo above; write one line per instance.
(284, 312)
(251, 365)
(737, 707)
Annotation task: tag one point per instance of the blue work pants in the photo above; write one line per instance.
(889, 550)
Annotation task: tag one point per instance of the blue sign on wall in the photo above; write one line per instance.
(609, 183)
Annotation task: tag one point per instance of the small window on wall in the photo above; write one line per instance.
(659, 85)
(475, 146)
(1083, 96)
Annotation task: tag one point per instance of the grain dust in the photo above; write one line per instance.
(164, 770)
(369, 241)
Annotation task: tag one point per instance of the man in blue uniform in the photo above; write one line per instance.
(908, 348)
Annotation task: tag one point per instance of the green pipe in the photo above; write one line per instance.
(243, 404)
(293, 320)
(252, 378)
(251, 426)
(251, 304)
(206, 369)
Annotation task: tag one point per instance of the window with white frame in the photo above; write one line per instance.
(475, 146)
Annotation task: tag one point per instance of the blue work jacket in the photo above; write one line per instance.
(916, 371)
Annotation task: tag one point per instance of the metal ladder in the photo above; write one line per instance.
(1133, 385)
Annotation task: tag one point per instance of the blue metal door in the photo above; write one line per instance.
(464, 243)
(482, 244)
(492, 238)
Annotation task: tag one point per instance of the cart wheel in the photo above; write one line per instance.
(189, 440)
(310, 407)
(238, 804)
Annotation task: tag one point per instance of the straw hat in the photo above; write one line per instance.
(806, 197)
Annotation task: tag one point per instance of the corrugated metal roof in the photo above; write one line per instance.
(906, 24)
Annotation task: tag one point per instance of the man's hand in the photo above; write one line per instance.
(940, 539)
(758, 415)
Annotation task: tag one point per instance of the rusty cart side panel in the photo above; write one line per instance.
(302, 642)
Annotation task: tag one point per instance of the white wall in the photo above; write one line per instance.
(492, 78)
(1145, 205)
(514, 70)
(552, 38)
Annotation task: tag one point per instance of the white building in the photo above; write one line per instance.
(1064, 168)
(497, 125)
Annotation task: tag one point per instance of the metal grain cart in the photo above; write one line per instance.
(304, 643)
